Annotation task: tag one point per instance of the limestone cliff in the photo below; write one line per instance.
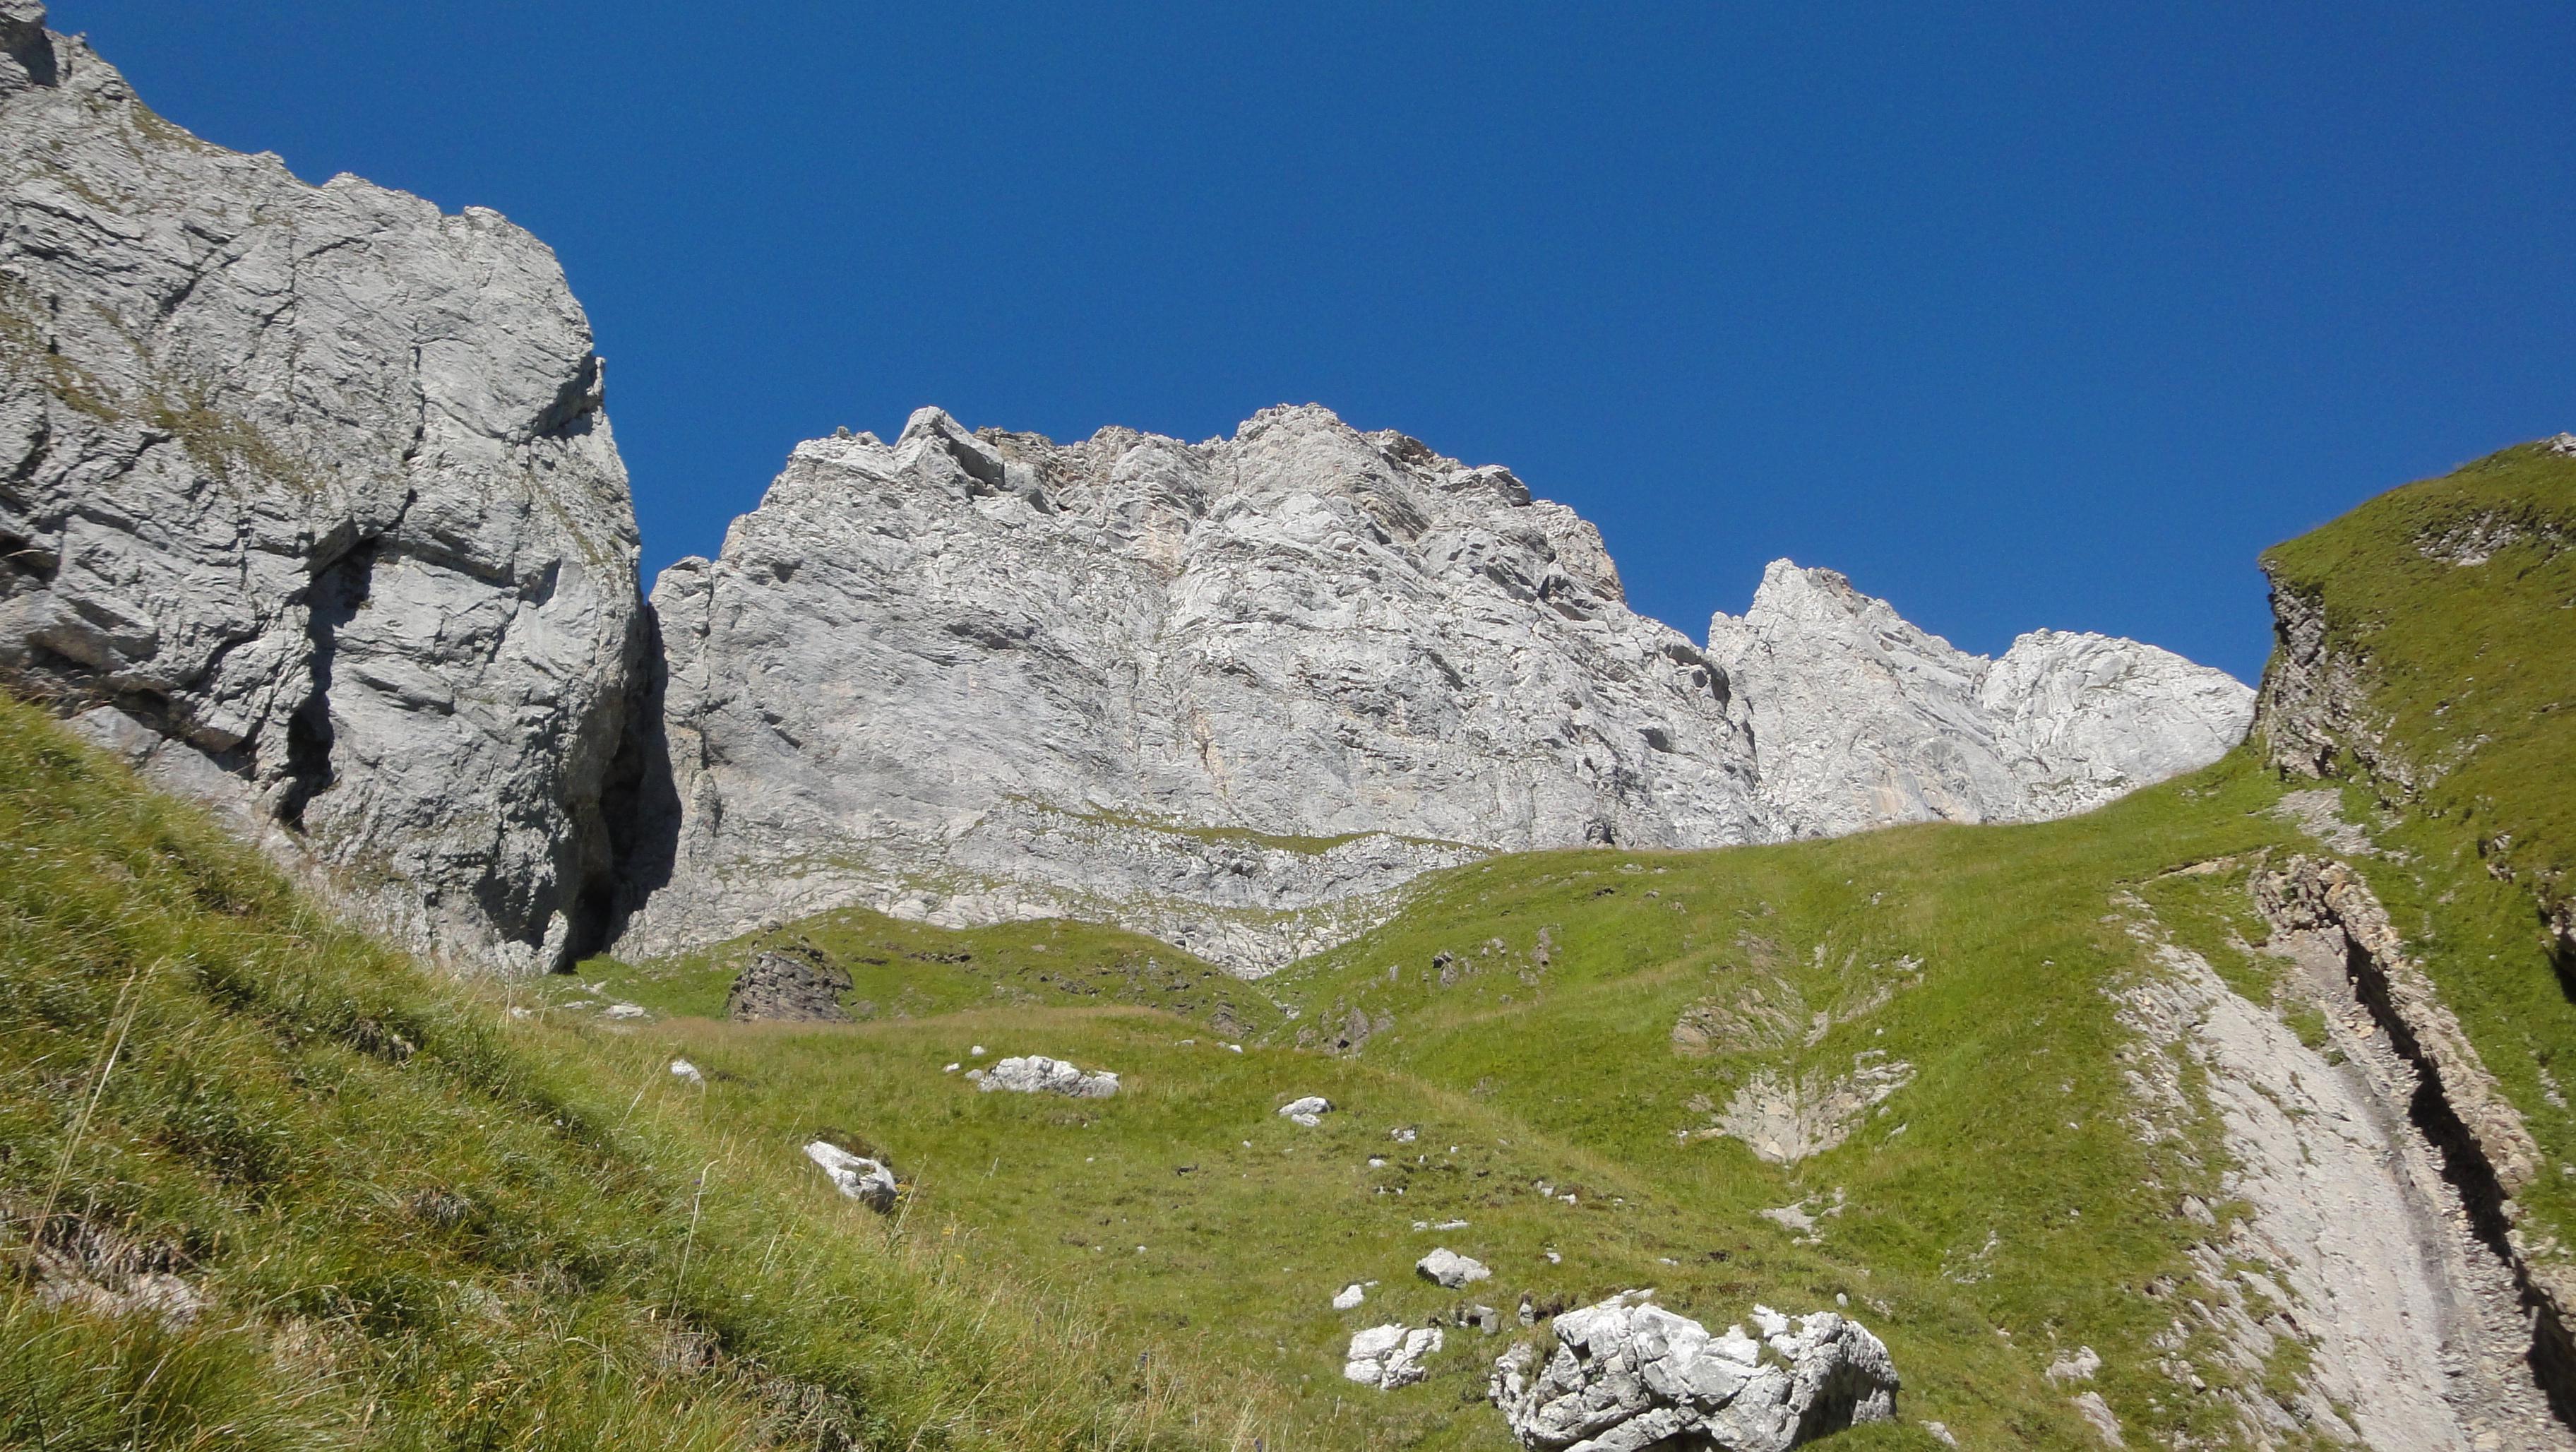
(307, 503)
(1861, 719)
(1227, 692)
(1236, 693)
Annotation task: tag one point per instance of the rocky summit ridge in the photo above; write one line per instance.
(310, 508)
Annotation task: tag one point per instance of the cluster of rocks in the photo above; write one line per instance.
(1627, 1375)
(788, 988)
(1038, 1074)
(1390, 1356)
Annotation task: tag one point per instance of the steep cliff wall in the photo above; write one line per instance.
(1238, 693)
(307, 503)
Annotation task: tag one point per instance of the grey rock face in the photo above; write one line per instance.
(1627, 1375)
(1237, 693)
(1861, 719)
(1234, 693)
(1387, 1357)
(783, 987)
(308, 506)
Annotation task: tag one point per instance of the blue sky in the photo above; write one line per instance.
(2021, 315)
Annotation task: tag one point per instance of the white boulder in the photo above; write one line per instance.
(1038, 1074)
(1350, 1297)
(1387, 1357)
(1628, 1375)
(1309, 1111)
(865, 1180)
(1451, 1269)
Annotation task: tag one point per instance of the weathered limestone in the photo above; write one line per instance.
(1448, 1268)
(308, 507)
(1387, 1357)
(870, 1182)
(1861, 719)
(1237, 693)
(1038, 1074)
(1628, 1375)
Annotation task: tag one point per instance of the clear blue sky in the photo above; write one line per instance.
(2024, 315)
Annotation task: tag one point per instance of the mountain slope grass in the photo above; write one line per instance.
(267, 1185)
(2455, 599)
(1546, 1047)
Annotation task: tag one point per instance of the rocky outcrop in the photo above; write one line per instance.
(1038, 1074)
(787, 988)
(1237, 693)
(2323, 909)
(1629, 1375)
(1387, 1357)
(1861, 719)
(309, 508)
(1233, 693)
(2315, 699)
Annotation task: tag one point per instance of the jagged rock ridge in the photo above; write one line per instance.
(1861, 718)
(307, 504)
(1237, 693)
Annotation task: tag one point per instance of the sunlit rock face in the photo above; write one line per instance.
(1231, 692)
(1861, 719)
(1237, 693)
(309, 507)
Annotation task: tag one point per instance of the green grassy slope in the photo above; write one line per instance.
(2000, 1211)
(900, 970)
(2456, 599)
(412, 1219)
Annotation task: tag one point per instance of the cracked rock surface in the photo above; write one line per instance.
(1628, 1375)
(309, 508)
(1237, 693)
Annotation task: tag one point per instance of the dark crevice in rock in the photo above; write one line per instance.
(338, 591)
(582, 395)
(639, 802)
(2465, 1163)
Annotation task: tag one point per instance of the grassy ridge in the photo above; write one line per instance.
(2457, 597)
(407, 1219)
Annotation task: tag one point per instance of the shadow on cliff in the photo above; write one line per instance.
(640, 802)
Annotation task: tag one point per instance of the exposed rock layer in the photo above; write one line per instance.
(2487, 1153)
(307, 505)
